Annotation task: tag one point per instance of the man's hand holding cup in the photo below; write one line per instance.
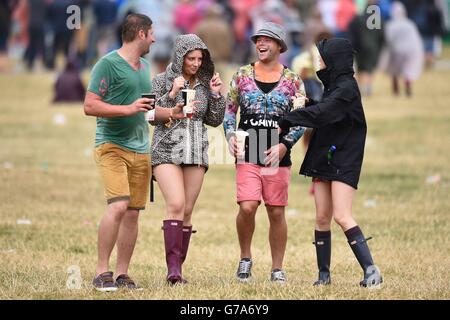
(178, 111)
(150, 100)
(236, 144)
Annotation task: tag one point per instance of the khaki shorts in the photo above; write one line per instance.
(126, 174)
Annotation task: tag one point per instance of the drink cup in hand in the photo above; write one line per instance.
(188, 110)
(299, 101)
(188, 98)
(150, 96)
(240, 143)
(150, 114)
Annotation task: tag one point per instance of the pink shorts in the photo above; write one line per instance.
(254, 182)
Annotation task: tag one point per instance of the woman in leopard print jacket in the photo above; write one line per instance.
(180, 150)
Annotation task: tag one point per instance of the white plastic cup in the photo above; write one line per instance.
(150, 115)
(188, 97)
(299, 102)
(240, 142)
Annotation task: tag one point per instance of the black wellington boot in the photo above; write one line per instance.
(358, 244)
(323, 251)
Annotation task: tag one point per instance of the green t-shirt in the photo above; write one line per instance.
(117, 83)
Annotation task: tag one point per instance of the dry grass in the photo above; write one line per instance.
(49, 178)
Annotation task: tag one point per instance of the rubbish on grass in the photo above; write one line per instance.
(434, 179)
(59, 119)
(87, 152)
(370, 203)
(44, 166)
(9, 250)
(8, 165)
(24, 221)
(292, 212)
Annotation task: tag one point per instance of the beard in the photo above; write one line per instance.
(144, 48)
(145, 51)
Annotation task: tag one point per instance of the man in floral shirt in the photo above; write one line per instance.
(264, 92)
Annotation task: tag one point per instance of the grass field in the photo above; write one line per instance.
(48, 177)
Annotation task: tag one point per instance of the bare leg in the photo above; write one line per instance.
(342, 195)
(170, 181)
(342, 198)
(395, 86)
(193, 180)
(4, 62)
(245, 225)
(429, 60)
(107, 233)
(126, 240)
(408, 88)
(324, 209)
(277, 235)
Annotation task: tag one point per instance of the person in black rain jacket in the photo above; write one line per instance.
(335, 155)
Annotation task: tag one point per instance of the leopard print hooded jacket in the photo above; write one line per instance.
(186, 141)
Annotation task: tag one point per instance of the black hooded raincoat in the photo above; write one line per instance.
(336, 148)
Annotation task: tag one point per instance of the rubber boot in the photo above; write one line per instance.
(372, 275)
(173, 241)
(187, 232)
(323, 251)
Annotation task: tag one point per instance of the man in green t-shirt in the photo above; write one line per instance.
(122, 144)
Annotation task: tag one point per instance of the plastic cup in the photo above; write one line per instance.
(188, 97)
(150, 115)
(240, 142)
(150, 96)
(299, 102)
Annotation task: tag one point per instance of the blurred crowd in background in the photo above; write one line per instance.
(34, 34)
